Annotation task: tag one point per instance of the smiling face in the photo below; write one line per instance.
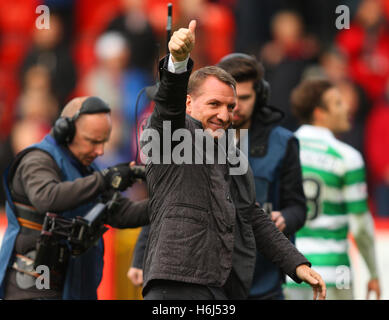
(92, 132)
(212, 104)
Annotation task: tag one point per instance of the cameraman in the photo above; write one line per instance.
(58, 175)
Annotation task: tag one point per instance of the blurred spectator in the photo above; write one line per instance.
(24, 133)
(366, 45)
(377, 153)
(119, 86)
(37, 77)
(253, 20)
(27, 132)
(126, 55)
(133, 24)
(320, 16)
(333, 66)
(106, 81)
(215, 30)
(285, 58)
(289, 39)
(37, 101)
(142, 45)
(65, 10)
(37, 110)
(91, 18)
(38, 106)
(48, 51)
(253, 23)
(358, 107)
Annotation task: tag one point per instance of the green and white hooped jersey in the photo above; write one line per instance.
(334, 185)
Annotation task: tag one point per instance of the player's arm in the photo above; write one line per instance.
(361, 222)
(362, 228)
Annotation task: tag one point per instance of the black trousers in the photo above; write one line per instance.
(176, 290)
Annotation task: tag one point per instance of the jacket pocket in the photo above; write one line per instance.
(184, 236)
(190, 212)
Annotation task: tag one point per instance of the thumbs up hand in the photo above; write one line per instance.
(182, 42)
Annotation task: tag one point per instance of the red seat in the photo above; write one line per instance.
(18, 16)
(9, 88)
(84, 54)
(12, 51)
(92, 16)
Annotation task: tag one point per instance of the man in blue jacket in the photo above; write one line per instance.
(57, 175)
(274, 159)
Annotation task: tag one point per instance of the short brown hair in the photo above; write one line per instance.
(199, 76)
(307, 96)
(243, 68)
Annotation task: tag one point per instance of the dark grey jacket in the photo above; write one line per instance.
(194, 207)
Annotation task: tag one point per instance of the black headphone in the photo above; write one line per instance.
(262, 88)
(64, 128)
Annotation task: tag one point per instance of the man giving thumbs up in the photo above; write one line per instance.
(205, 224)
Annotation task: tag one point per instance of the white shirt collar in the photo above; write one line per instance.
(315, 131)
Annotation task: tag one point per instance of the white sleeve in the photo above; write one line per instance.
(355, 197)
(362, 228)
(177, 67)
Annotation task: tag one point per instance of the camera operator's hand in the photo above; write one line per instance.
(118, 177)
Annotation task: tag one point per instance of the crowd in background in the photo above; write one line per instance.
(110, 49)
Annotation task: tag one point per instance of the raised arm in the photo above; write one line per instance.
(175, 70)
(361, 222)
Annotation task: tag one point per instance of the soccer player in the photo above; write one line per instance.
(335, 188)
